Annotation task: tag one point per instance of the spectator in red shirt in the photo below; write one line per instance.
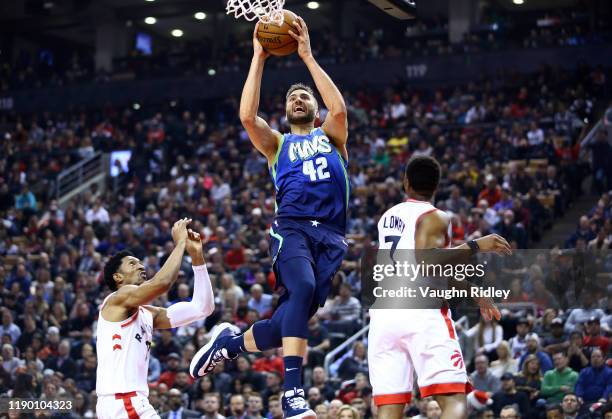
(594, 337)
(492, 193)
(51, 348)
(269, 362)
(167, 377)
(234, 258)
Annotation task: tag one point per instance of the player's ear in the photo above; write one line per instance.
(118, 278)
(406, 184)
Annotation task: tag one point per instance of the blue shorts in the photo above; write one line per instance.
(322, 246)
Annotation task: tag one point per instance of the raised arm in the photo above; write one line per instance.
(133, 296)
(336, 122)
(202, 303)
(264, 138)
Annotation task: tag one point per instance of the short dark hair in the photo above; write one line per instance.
(112, 266)
(301, 86)
(571, 393)
(513, 407)
(554, 407)
(423, 174)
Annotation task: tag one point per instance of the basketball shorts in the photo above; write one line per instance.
(322, 246)
(422, 341)
(131, 405)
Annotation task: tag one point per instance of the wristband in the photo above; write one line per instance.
(473, 246)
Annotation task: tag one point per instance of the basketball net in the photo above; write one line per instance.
(267, 11)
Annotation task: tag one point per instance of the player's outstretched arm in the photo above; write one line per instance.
(336, 122)
(202, 303)
(264, 138)
(431, 234)
(132, 296)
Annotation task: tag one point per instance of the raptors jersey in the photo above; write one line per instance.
(397, 227)
(424, 342)
(123, 353)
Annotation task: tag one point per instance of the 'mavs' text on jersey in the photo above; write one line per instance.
(309, 147)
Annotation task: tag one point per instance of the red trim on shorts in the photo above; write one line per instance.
(449, 324)
(127, 403)
(131, 320)
(397, 398)
(446, 388)
(418, 220)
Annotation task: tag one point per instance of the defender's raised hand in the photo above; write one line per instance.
(194, 247)
(179, 230)
(302, 37)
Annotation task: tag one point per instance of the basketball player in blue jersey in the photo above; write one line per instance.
(309, 170)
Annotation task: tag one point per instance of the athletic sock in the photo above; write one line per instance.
(293, 372)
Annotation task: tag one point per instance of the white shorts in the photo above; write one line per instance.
(133, 405)
(402, 342)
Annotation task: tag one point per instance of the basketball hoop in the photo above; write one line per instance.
(267, 11)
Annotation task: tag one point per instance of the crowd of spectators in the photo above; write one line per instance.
(418, 38)
(509, 150)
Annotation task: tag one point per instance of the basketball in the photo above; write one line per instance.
(276, 39)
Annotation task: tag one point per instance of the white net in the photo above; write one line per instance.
(267, 11)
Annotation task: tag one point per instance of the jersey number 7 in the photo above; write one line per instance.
(320, 173)
(394, 240)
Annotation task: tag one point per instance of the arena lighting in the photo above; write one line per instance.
(149, 1)
(177, 33)
(150, 20)
(212, 71)
(518, 1)
(313, 5)
(136, 106)
(200, 15)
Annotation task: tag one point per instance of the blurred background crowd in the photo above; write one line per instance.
(518, 153)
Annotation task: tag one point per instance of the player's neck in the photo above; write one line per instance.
(302, 129)
(417, 197)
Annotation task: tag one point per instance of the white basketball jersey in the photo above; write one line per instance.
(397, 227)
(123, 353)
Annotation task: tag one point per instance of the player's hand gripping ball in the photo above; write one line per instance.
(276, 39)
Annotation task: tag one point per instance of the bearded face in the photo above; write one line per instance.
(301, 107)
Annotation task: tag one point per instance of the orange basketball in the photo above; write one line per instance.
(276, 39)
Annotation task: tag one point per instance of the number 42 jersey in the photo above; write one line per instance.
(311, 180)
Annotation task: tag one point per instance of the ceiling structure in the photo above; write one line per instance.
(75, 21)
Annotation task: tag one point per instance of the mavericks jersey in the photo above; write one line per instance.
(311, 180)
(123, 353)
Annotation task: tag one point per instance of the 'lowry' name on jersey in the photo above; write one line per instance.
(394, 222)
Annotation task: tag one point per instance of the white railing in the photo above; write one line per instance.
(329, 358)
(340, 348)
(79, 176)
